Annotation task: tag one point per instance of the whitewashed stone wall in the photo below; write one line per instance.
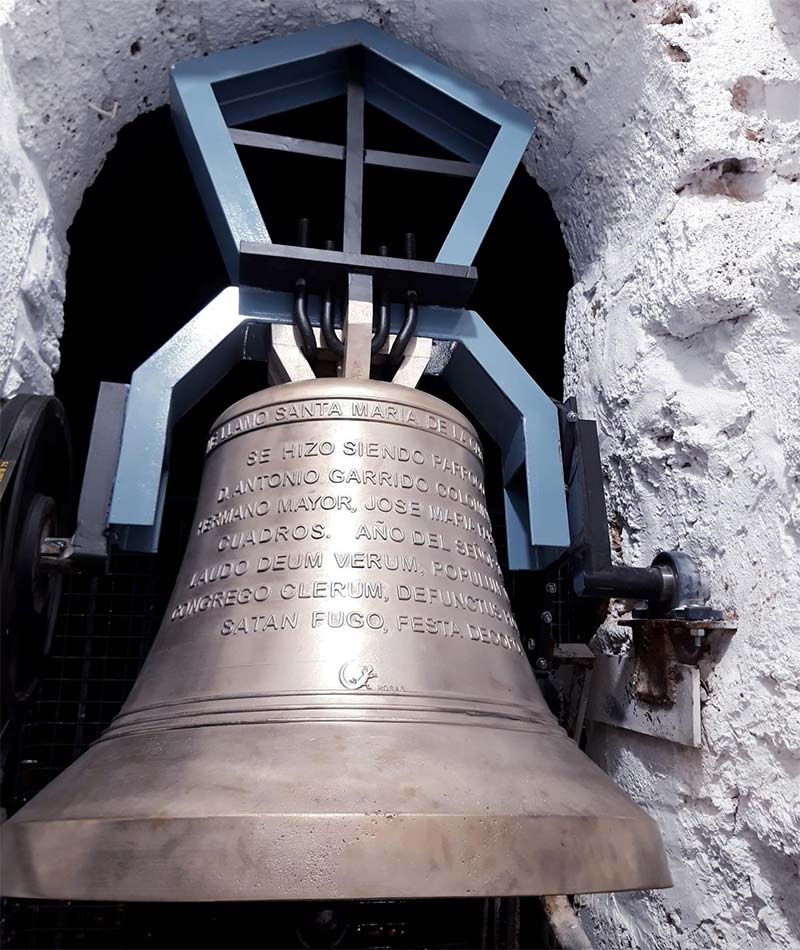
(669, 142)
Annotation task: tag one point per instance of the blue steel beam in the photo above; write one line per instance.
(522, 420)
(489, 380)
(256, 95)
(163, 389)
(439, 116)
(475, 215)
(216, 169)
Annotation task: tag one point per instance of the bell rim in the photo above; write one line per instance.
(375, 824)
(373, 865)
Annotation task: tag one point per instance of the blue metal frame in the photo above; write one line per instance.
(213, 93)
(239, 85)
(493, 385)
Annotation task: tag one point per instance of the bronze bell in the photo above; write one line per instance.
(337, 704)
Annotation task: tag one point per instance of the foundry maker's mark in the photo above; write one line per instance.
(354, 675)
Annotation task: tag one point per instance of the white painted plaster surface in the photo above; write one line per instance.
(669, 141)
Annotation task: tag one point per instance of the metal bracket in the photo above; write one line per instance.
(358, 327)
(286, 364)
(583, 476)
(516, 413)
(661, 642)
(614, 701)
(278, 266)
(87, 549)
(655, 690)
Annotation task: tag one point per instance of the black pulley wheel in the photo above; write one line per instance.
(35, 503)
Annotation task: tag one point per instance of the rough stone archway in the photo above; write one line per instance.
(669, 142)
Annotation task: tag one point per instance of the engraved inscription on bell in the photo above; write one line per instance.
(339, 546)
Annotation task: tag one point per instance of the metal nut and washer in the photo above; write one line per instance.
(541, 663)
(551, 587)
(547, 617)
(572, 416)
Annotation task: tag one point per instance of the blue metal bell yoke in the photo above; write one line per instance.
(211, 98)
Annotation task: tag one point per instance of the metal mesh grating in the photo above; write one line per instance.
(104, 630)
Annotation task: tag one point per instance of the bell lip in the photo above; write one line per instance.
(344, 387)
(362, 876)
(330, 837)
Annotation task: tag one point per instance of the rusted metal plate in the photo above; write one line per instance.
(615, 701)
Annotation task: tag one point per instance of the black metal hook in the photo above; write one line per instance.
(409, 327)
(308, 343)
(381, 332)
(329, 334)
